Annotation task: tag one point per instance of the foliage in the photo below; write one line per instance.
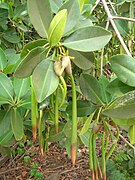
(122, 166)
(53, 85)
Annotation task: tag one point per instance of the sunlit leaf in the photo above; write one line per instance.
(57, 26)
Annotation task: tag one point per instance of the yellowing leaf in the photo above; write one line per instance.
(57, 26)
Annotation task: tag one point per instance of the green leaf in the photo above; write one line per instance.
(86, 125)
(85, 138)
(17, 125)
(31, 45)
(55, 5)
(81, 4)
(11, 36)
(123, 66)
(103, 82)
(6, 137)
(45, 81)
(82, 60)
(123, 107)
(131, 133)
(40, 15)
(21, 86)
(5, 121)
(88, 39)
(84, 108)
(124, 122)
(6, 88)
(57, 26)
(3, 60)
(117, 88)
(73, 14)
(90, 88)
(29, 62)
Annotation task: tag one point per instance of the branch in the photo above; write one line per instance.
(128, 143)
(110, 17)
(123, 18)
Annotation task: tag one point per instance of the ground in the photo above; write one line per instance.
(55, 165)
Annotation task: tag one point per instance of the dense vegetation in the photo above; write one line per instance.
(67, 73)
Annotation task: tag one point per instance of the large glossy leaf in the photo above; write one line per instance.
(73, 10)
(123, 66)
(117, 88)
(45, 81)
(31, 45)
(3, 60)
(90, 88)
(84, 108)
(82, 60)
(124, 122)
(6, 88)
(123, 107)
(5, 121)
(40, 15)
(17, 125)
(6, 137)
(131, 133)
(21, 86)
(29, 62)
(88, 39)
(57, 26)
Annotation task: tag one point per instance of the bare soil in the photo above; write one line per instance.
(54, 165)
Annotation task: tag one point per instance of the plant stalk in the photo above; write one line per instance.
(91, 163)
(94, 156)
(56, 112)
(74, 122)
(103, 157)
(41, 140)
(113, 146)
(34, 112)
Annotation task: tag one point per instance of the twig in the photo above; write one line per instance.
(111, 4)
(123, 18)
(110, 17)
(128, 143)
(102, 53)
(96, 3)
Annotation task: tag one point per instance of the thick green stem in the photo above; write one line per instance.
(41, 140)
(74, 122)
(64, 91)
(103, 158)
(99, 170)
(94, 156)
(113, 146)
(34, 112)
(56, 112)
(91, 156)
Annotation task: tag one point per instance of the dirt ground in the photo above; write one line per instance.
(55, 165)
